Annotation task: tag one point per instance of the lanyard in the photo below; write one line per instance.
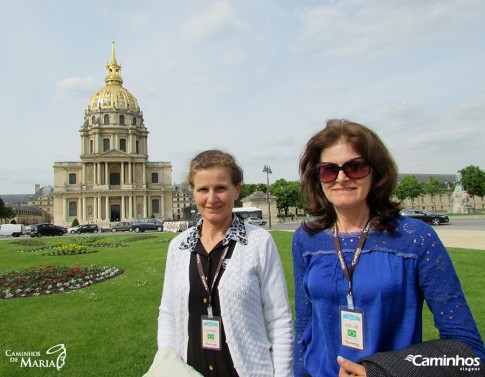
(204, 278)
(355, 259)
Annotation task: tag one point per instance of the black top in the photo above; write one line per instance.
(212, 363)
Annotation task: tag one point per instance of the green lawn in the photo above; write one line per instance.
(109, 329)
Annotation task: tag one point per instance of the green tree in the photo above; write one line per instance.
(74, 223)
(2, 209)
(409, 187)
(287, 193)
(249, 188)
(473, 181)
(433, 186)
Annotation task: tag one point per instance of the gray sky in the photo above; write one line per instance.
(255, 78)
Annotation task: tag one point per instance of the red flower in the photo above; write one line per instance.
(70, 272)
(52, 281)
(76, 268)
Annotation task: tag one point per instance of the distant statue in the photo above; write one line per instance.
(460, 196)
(458, 179)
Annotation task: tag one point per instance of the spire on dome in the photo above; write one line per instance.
(113, 76)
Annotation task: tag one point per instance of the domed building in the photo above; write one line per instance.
(114, 181)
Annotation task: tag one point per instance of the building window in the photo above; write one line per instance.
(106, 119)
(133, 122)
(123, 145)
(72, 208)
(154, 177)
(137, 148)
(155, 206)
(93, 120)
(105, 145)
(122, 119)
(72, 178)
(90, 146)
(422, 199)
(114, 179)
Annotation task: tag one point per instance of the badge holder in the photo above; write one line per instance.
(352, 327)
(211, 332)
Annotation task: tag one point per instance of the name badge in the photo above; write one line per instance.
(352, 328)
(211, 332)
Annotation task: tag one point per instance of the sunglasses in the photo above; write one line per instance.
(355, 168)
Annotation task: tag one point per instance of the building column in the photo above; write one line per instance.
(95, 209)
(80, 213)
(98, 173)
(130, 207)
(108, 216)
(106, 174)
(122, 175)
(85, 212)
(100, 212)
(64, 210)
(122, 208)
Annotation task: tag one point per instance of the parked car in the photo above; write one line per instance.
(40, 230)
(87, 228)
(122, 226)
(429, 217)
(14, 230)
(73, 230)
(255, 221)
(141, 225)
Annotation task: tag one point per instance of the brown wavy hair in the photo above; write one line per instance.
(215, 158)
(383, 210)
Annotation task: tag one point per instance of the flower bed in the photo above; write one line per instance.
(46, 280)
(71, 249)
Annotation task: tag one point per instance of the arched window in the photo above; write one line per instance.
(122, 119)
(93, 120)
(106, 119)
(134, 121)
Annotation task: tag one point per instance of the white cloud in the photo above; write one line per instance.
(216, 22)
(375, 29)
(75, 89)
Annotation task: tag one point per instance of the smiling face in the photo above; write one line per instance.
(215, 195)
(344, 193)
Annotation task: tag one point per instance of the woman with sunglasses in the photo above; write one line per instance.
(361, 270)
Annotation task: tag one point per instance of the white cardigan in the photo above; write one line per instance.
(254, 306)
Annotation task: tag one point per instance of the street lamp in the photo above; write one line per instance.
(267, 170)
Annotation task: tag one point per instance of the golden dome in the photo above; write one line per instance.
(113, 95)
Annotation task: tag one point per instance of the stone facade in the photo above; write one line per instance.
(114, 181)
(259, 199)
(183, 203)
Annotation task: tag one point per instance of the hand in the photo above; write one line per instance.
(347, 366)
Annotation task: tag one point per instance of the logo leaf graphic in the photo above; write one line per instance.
(61, 358)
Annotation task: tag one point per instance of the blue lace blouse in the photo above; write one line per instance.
(396, 272)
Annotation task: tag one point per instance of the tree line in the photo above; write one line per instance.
(288, 192)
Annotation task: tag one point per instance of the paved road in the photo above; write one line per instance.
(462, 231)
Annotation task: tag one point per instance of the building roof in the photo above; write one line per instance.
(444, 179)
(44, 192)
(14, 199)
